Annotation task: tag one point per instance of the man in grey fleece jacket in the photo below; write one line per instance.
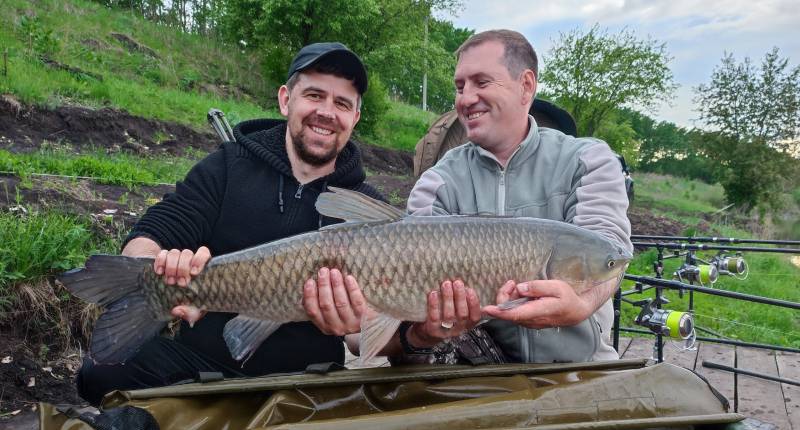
(510, 166)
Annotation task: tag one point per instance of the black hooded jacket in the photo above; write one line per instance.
(243, 195)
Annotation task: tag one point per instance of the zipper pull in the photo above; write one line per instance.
(299, 191)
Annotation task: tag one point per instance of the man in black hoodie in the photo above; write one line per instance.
(260, 188)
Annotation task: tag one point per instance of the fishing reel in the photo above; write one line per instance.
(697, 273)
(666, 322)
(731, 265)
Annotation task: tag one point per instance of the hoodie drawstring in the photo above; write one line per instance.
(324, 188)
(280, 193)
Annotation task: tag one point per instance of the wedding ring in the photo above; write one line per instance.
(447, 325)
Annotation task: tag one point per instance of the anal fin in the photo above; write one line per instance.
(244, 334)
(376, 331)
(511, 304)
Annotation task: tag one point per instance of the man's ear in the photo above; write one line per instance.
(358, 115)
(283, 100)
(528, 86)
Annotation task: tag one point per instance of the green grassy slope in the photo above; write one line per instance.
(165, 85)
(174, 77)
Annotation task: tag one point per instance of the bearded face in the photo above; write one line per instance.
(321, 112)
(311, 142)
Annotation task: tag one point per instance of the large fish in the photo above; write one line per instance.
(396, 259)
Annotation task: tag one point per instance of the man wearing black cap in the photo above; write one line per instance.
(260, 188)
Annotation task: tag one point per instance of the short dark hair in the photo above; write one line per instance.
(325, 68)
(518, 53)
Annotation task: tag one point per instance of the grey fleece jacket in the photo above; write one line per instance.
(551, 175)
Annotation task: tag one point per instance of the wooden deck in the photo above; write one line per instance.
(766, 401)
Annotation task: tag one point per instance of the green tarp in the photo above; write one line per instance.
(615, 394)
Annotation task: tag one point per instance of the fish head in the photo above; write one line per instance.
(585, 261)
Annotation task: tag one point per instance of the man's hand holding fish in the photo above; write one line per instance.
(552, 303)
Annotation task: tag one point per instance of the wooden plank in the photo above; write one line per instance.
(640, 347)
(674, 353)
(721, 380)
(789, 367)
(759, 398)
(623, 345)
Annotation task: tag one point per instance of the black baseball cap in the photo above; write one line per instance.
(334, 53)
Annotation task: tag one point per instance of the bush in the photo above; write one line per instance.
(374, 106)
(38, 39)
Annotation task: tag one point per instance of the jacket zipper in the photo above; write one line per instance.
(299, 192)
(501, 188)
(501, 193)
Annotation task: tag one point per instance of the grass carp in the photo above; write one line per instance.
(396, 259)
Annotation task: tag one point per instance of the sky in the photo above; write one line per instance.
(697, 33)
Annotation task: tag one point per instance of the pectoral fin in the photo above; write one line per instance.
(511, 304)
(244, 334)
(376, 331)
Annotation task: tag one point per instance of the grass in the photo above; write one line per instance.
(32, 83)
(179, 85)
(672, 194)
(115, 169)
(38, 245)
(78, 33)
(401, 127)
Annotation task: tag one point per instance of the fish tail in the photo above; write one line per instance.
(129, 321)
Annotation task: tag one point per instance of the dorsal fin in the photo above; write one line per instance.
(353, 206)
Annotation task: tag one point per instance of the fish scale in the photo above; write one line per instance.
(396, 260)
(267, 281)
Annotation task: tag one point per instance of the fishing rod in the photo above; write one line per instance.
(741, 371)
(705, 239)
(679, 325)
(701, 247)
(675, 285)
(220, 125)
(674, 324)
(691, 271)
(722, 341)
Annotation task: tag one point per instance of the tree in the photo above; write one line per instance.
(621, 137)
(387, 34)
(449, 37)
(593, 73)
(755, 113)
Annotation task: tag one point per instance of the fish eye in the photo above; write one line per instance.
(611, 264)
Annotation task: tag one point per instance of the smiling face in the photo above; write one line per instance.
(491, 103)
(321, 111)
